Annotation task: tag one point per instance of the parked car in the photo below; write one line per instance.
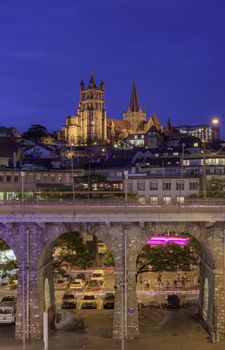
(60, 284)
(69, 300)
(81, 276)
(108, 301)
(93, 284)
(89, 301)
(77, 284)
(98, 275)
(173, 301)
(7, 312)
(10, 298)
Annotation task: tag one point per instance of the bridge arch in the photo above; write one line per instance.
(44, 263)
(212, 251)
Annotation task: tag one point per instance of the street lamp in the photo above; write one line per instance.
(204, 172)
(181, 172)
(125, 173)
(72, 171)
(28, 279)
(22, 174)
(215, 121)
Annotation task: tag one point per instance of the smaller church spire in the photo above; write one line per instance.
(102, 85)
(168, 124)
(82, 84)
(92, 83)
(134, 103)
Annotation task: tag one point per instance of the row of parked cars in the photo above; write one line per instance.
(89, 300)
(79, 283)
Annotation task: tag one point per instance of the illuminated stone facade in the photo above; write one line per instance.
(90, 125)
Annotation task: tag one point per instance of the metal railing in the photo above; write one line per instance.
(110, 206)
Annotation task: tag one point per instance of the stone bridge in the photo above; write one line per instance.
(30, 231)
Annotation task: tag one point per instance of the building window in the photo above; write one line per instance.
(180, 185)
(153, 186)
(193, 185)
(154, 199)
(166, 186)
(180, 199)
(8, 178)
(16, 178)
(59, 178)
(167, 200)
(129, 187)
(1, 178)
(141, 186)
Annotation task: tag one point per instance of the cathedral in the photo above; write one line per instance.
(91, 126)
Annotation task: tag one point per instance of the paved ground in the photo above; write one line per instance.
(160, 329)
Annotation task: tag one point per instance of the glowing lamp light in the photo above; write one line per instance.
(162, 240)
(215, 121)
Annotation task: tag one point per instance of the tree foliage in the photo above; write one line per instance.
(36, 133)
(216, 187)
(107, 258)
(70, 249)
(3, 246)
(169, 257)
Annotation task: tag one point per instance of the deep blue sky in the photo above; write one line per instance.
(174, 49)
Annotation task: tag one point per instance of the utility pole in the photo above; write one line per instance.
(72, 172)
(204, 172)
(123, 291)
(28, 281)
(22, 174)
(181, 172)
(125, 173)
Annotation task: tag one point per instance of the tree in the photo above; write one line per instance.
(107, 258)
(216, 187)
(6, 263)
(169, 257)
(35, 133)
(71, 249)
(116, 136)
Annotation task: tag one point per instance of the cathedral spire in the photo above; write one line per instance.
(134, 103)
(168, 124)
(92, 83)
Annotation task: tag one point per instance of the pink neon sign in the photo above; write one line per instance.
(162, 240)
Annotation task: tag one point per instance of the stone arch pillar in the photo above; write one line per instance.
(215, 273)
(112, 236)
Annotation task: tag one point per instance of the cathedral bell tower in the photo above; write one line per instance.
(91, 112)
(134, 114)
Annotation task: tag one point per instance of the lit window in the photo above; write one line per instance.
(180, 199)
(196, 144)
(154, 199)
(167, 200)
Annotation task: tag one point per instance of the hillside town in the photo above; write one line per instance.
(152, 163)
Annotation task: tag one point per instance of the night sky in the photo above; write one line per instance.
(173, 49)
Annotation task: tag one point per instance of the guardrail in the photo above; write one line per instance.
(106, 206)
